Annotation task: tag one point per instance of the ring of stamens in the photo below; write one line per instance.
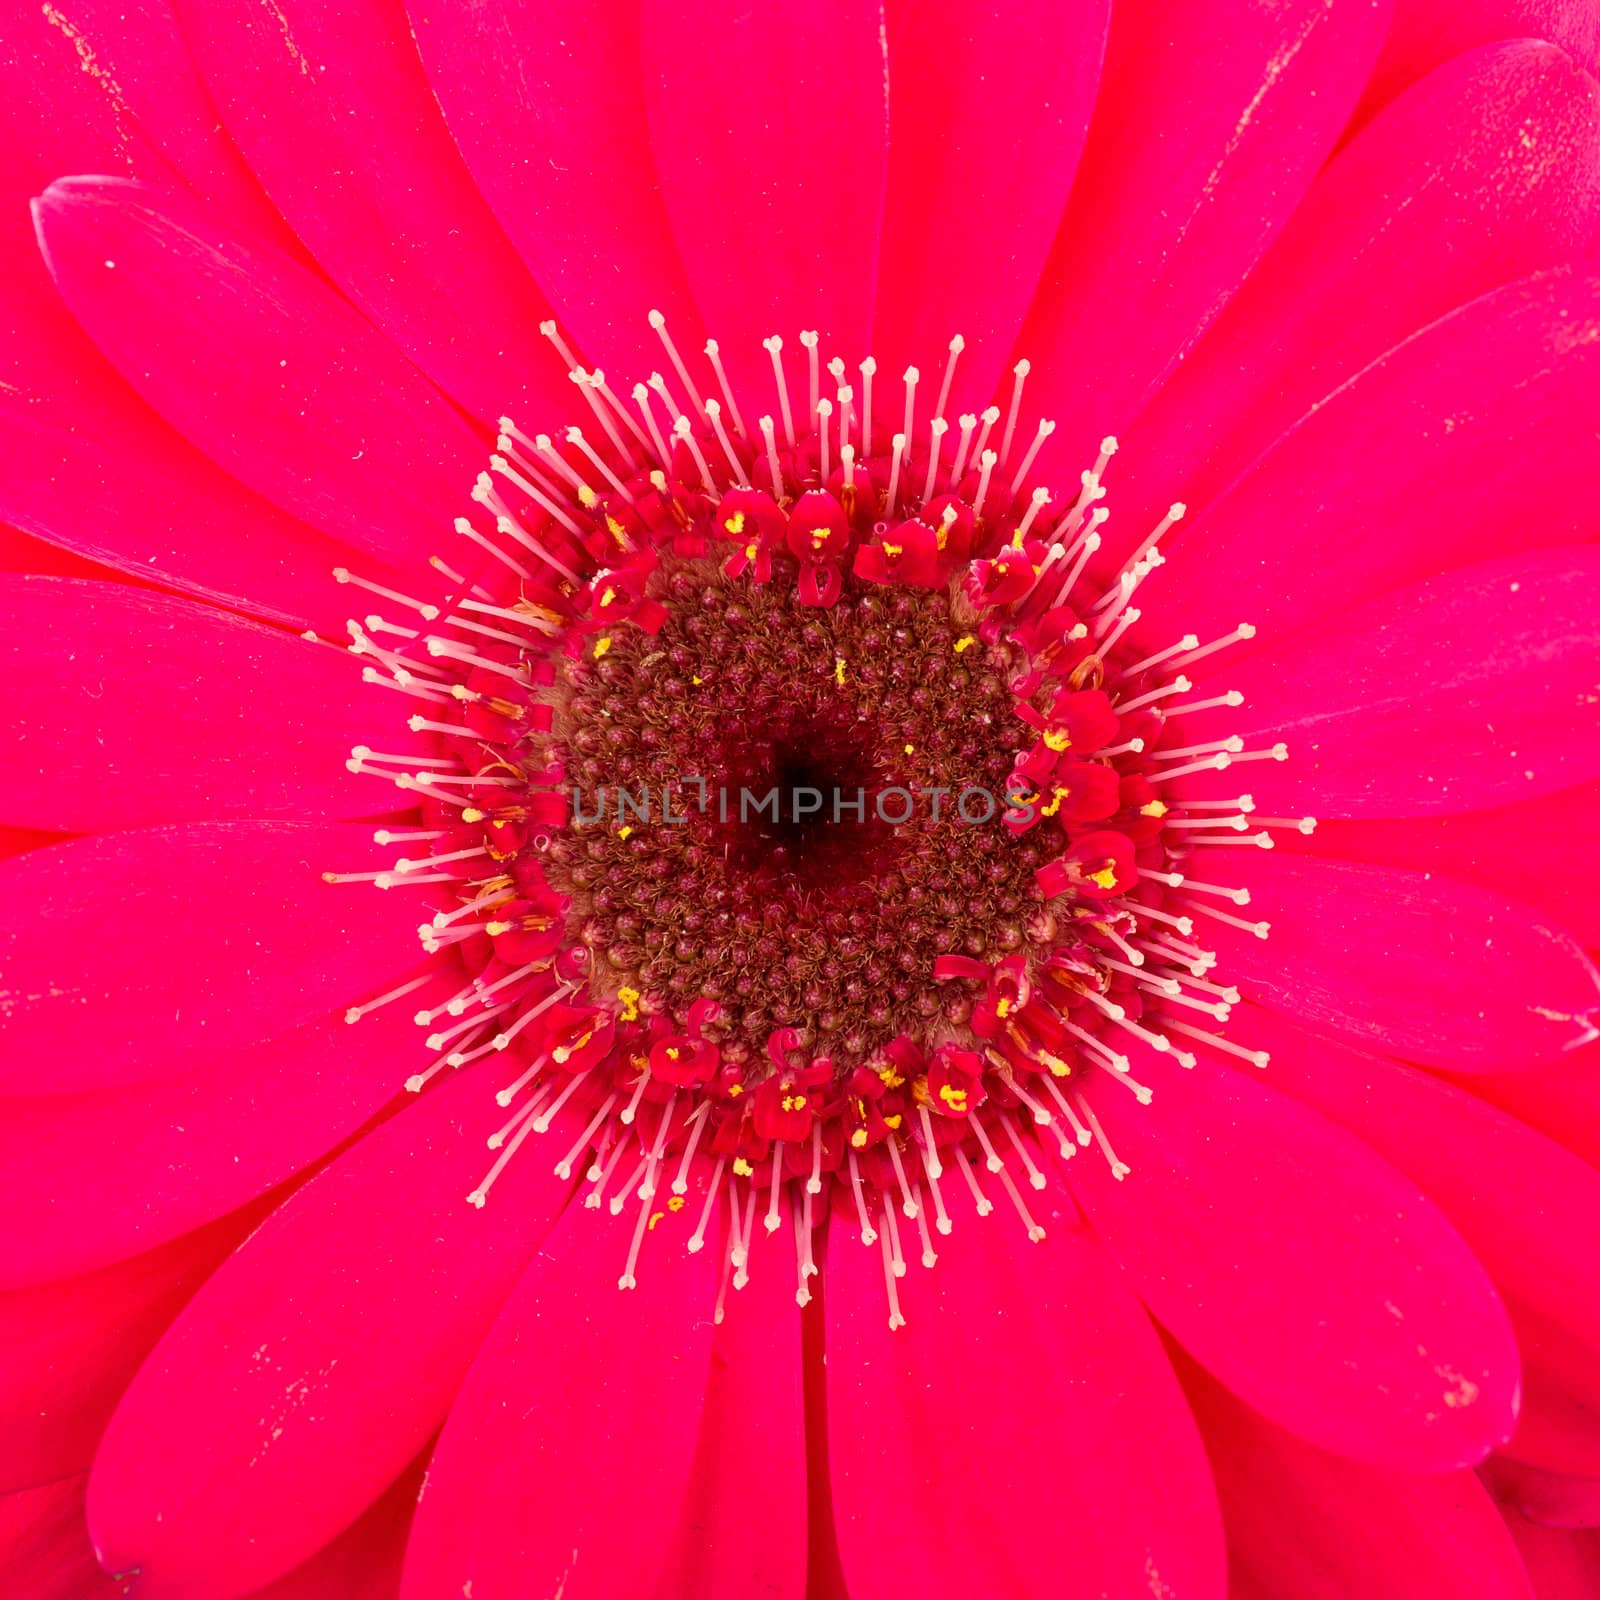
(652, 624)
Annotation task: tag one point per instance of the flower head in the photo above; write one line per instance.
(622, 751)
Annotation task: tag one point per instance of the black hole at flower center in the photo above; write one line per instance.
(803, 812)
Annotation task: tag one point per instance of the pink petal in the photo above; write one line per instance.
(1545, 851)
(1471, 690)
(1487, 170)
(1553, 1498)
(974, 272)
(1404, 963)
(44, 1550)
(140, 954)
(1426, 33)
(1301, 1270)
(88, 465)
(68, 1348)
(314, 1366)
(562, 155)
(261, 365)
(1399, 474)
(21, 552)
(752, 167)
(742, 1530)
(1562, 1100)
(196, 1146)
(1307, 1524)
(567, 1454)
(1026, 1379)
(364, 1562)
(373, 184)
(127, 491)
(1561, 1565)
(109, 86)
(1528, 1227)
(1210, 123)
(17, 841)
(130, 708)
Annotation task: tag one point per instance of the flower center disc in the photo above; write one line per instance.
(812, 810)
(792, 810)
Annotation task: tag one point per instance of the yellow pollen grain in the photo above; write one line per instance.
(630, 1004)
(743, 1167)
(794, 1102)
(1106, 877)
(601, 645)
(697, 681)
(893, 1123)
(495, 929)
(625, 830)
(735, 1090)
(734, 524)
(839, 670)
(1057, 739)
(953, 1097)
(472, 814)
(655, 1217)
(587, 498)
(911, 749)
(858, 1139)
(1058, 795)
(676, 1203)
(1153, 809)
(965, 643)
(890, 1077)
(1002, 1007)
(892, 552)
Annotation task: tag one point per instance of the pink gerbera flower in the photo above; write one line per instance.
(801, 800)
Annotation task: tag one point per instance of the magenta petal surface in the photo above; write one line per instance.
(1026, 1377)
(1529, 1227)
(195, 1146)
(260, 364)
(1394, 478)
(1406, 963)
(1470, 690)
(1307, 1524)
(147, 503)
(1487, 170)
(1562, 1565)
(751, 167)
(140, 954)
(562, 156)
(571, 1380)
(69, 1347)
(1426, 33)
(1301, 1270)
(352, 1313)
(110, 86)
(43, 1548)
(742, 1532)
(373, 184)
(129, 708)
(1545, 852)
(1561, 1099)
(1555, 1499)
(937, 277)
(1210, 123)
